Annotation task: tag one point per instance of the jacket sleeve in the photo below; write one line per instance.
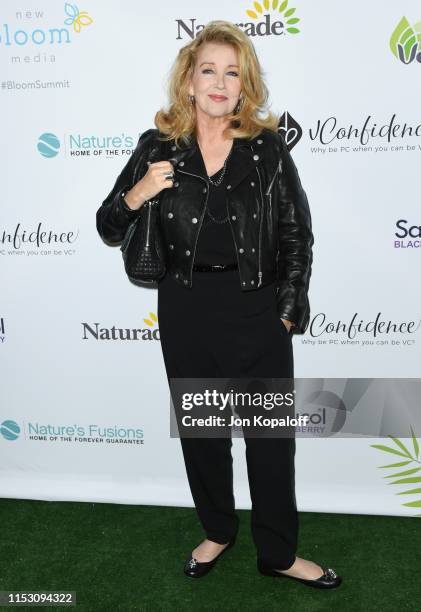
(113, 217)
(295, 244)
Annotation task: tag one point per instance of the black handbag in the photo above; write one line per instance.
(143, 248)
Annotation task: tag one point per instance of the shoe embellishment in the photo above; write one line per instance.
(192, 563)
(330, 573)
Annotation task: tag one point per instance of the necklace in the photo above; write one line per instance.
(214, 219)
(223, 169)
(216, 183)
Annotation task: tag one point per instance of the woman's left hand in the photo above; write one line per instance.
(288, 324)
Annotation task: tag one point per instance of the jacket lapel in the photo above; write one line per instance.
(188, 158)
(242, 161)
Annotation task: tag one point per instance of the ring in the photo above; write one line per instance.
(169, 175)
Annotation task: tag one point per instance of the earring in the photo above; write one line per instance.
(191, 99)
(239, 105)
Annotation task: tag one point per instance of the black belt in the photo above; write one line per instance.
(214, 267)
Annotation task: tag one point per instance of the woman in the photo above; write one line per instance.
(238, 236)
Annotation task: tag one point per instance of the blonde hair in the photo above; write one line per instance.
(179, 122)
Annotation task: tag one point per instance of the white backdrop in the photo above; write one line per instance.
(87, 418)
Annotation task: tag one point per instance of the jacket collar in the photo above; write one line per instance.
(245, 156)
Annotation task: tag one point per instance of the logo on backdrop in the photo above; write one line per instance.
(290, 129)
(52, 35)
(409, 235)
(359, 331)
(85, 434)
(2, 331)
(268, 19)
(9, 430)
(48, 145)
(366, 136)
(405, 42)
(75, 18)
(151, 332)
(78, 145)
(39, 241)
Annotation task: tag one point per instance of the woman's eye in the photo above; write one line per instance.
(210, 69)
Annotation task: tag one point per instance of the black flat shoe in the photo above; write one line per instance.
(328, 580)
(197, 569)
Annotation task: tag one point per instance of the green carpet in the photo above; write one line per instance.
(120, 557)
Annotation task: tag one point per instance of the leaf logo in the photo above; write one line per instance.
(75, 17)
(290, 20)
(153, 319)
(407, 476)
(405, 41)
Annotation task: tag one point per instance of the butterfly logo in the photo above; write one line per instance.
(75, 17)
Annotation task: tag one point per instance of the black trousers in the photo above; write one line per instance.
(216, 330)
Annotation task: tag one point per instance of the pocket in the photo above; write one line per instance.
(275, 308)
(284, 327)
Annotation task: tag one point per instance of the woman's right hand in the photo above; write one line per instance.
(150, 185)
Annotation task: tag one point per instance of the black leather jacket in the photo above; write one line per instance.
(268, 214)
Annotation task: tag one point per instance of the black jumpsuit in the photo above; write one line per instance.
(215, 329)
